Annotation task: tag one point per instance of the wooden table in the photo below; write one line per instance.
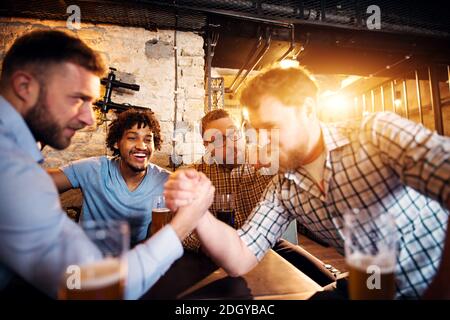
(195, 276)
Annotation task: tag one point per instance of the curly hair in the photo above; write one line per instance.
(126, 120)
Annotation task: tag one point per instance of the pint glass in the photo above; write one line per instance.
(101, 276)
(161, 215)
(370, 253)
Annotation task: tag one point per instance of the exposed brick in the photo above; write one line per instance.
(141, 56)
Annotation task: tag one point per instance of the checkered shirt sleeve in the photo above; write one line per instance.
(419, 157)
(268, 220)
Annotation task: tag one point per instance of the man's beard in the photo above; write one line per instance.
(290, 161)
(43, 126)
(136, 169)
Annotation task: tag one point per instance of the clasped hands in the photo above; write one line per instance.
(189, 194)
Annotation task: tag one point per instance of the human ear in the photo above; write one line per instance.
(25, 87)
(310, 107)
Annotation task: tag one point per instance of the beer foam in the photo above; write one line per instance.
(161, 210)
(384, 260)
(101, 273)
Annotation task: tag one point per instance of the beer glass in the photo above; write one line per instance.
(161, 215)
(101, 273)
(370, 252)
(225, 211)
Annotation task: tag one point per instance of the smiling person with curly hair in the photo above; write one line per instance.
(121, 186)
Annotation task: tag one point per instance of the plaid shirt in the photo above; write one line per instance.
(385, 163)
(247, 185)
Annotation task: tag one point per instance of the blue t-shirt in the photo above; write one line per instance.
(107, 197)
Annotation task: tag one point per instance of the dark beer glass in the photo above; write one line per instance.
(225, 209)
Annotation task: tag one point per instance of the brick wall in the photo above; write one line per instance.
(143, 57)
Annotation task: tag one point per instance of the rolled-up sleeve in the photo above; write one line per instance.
(267, 222)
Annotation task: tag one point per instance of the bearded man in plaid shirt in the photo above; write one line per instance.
(228, 170)
(384, 163)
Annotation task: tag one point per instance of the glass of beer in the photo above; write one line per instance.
(101, 273)
(370, 252)
(161, 215)
(225, 211)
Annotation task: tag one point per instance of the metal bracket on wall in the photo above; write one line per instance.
(211, 42)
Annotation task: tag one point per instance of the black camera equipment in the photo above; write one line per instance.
(110, 84)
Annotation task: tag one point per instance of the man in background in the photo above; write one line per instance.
(225, 165)
(120, 187)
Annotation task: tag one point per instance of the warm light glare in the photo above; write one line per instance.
(245, 115)
(397, 102)
(289, 63)
(335, 100)
(335, 105)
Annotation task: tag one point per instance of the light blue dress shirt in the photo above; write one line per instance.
(36, 236)
(106, 195)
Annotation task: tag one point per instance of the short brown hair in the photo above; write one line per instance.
(128, 119)
(41, 48)
(213, 115)
(291, 86)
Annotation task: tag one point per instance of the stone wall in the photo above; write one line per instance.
(143, 57)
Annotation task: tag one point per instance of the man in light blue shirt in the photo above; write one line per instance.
(121, 187)
(48, 83)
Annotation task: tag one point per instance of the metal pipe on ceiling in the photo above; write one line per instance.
(292, 45)
(265, 49)
(253, 59)
(246, 64)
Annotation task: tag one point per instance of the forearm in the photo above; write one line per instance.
(183, 224)
(60, 180)
(148, 261)
(224, 246)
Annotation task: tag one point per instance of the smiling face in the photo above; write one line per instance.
(226, 140)
(135, 147)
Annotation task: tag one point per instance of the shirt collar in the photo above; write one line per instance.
(16, 127)
(333, 139)
(244, 168)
